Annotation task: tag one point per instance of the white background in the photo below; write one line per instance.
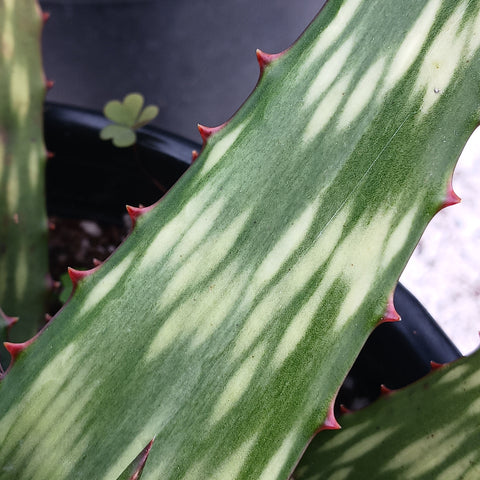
(444, 271)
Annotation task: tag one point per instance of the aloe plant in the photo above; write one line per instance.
(224, 325)
(23, 230)
(427, 430)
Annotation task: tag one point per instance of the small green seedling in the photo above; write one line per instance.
(128, 116)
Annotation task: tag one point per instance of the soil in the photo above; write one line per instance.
(79, 244)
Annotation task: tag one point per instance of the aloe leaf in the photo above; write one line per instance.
(23, 218)
(225, 323)
(427, 430)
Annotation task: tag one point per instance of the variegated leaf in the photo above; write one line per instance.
(226, 322)
(23, 217)
(428, 430)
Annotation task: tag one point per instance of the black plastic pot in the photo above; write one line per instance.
(194, 59)
(89, 178)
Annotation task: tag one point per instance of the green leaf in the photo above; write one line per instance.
(429, 430)
(23, 216)
(147, 115)
(120, 135)
(226, 322)
(128, 117)
(127, 112)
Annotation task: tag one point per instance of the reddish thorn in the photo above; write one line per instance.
(78, 275)
(49, 281)
(194, 155)
(9, 321)
(51, 225)
(50, 154)
(265, 59)
(45, 17)
(56, 284)
(390, 315)
(15, 218)
(384, 391)
(97, 262)
(136, 212)
(48, 317)
(142, 459)
(207, 132)
(330, 422)
(344, 410)
(435, 365)
(451, 198)
(15, 349)
(49, 84)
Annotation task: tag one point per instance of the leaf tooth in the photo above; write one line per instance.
(390, 315)
(207, 132)
(385, 391)
(136, 212)
(9, 321)
(45, 17)
(142, 459)
(451, 198)
(435, 365)
(194, 155)
(15, 349)
(49, 84)
(96, 262)
(78, 275)
(265, 59)
(344, 410)
(330, 422)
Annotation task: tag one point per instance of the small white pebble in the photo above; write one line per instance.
(91, 228)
